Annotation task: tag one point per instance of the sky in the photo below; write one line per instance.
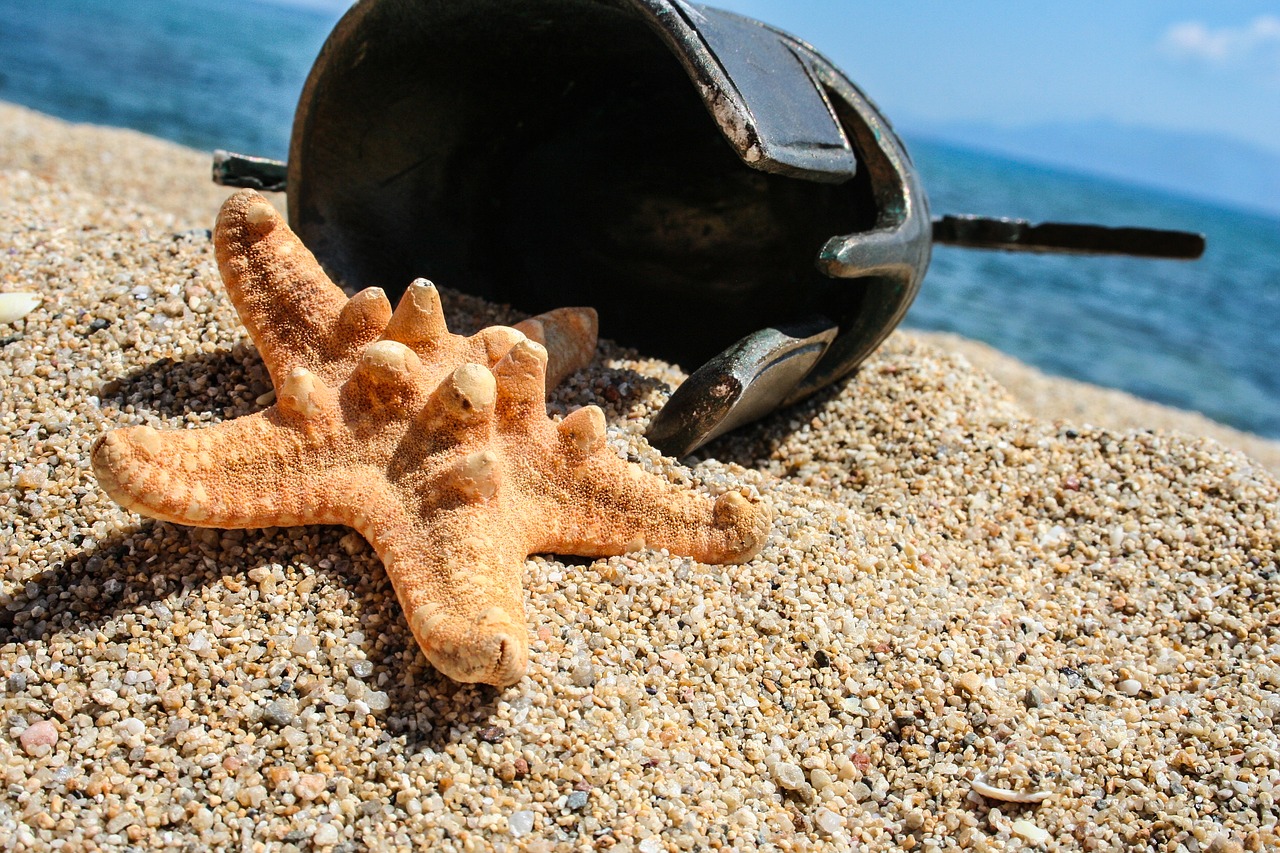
(1169, 64)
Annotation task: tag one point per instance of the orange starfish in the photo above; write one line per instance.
(437, 448)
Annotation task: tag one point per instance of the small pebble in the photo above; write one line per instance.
(583, 674)
(1028, 831)
(828, 821)
(176, 726)
(309, 786)
(790, 777)
(1223, 843)
(34, 478)
(326, 835)
(276, 714)
(202, 820)
(520, 823)
(1130, 687)
(577, 800)
(37, 736)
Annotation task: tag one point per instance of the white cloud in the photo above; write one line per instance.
(1258, 40)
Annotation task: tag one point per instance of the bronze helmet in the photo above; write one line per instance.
(701, 179)
(722, 194)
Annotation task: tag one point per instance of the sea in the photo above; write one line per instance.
(1197, 335)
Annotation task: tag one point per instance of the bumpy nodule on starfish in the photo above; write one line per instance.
(436, 447)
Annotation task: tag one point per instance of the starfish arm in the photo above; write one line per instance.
(457, 576)
(569, 335)
(600, 506)
(253, 471)
(294, 313)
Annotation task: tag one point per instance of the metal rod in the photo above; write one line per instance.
(1019, 235)
(255, 173)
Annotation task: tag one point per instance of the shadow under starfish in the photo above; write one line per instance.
(154, 572)
(437, 448)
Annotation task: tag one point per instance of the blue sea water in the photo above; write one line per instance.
(1201, 335)
(205, 73)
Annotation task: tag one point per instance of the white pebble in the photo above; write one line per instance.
(326, 835)
(788, 776)
(584, 674)
(520, 823)
(1130, 687)
(309, 786)
(828, 821)
(1028, 831)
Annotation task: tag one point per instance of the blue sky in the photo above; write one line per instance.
(1158, 63)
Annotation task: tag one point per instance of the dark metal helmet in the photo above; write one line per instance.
(722, 194)
(704, 181)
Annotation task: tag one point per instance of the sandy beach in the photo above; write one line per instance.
(997, 610)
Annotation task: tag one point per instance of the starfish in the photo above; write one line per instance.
(436, 447)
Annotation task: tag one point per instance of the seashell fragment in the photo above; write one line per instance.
(14, 306)
(1008, 795)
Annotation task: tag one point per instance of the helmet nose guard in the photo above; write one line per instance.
(764, 222)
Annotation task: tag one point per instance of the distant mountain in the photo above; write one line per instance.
(1200, 165)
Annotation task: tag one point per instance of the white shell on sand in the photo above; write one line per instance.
(15, 306)
(1008, 795)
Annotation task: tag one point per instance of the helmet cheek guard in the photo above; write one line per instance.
(716, 189)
